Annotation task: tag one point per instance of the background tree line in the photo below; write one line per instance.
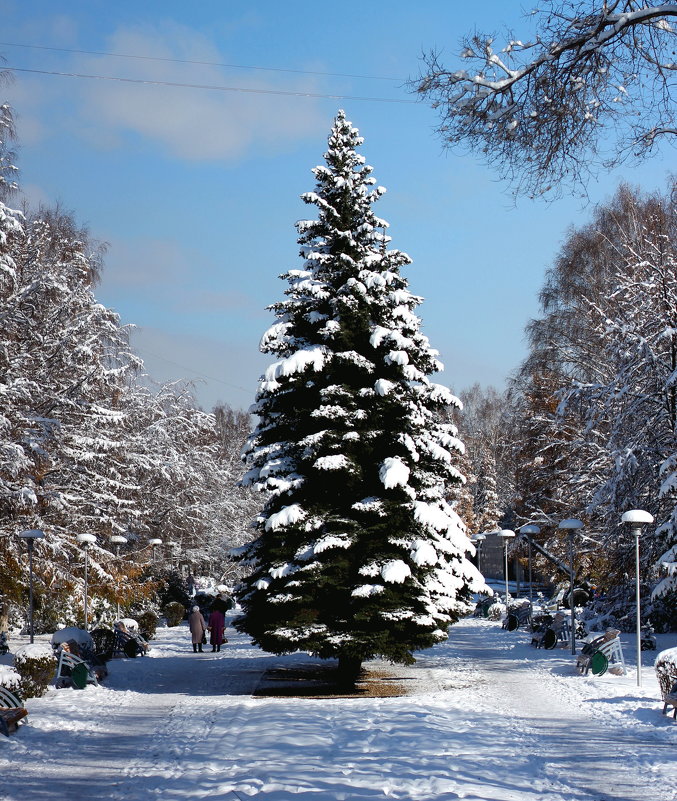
(587, 426)
(87, 443)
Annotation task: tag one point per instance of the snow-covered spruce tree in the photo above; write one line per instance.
(358, 555)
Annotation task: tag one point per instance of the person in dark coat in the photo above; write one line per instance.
(198, 627)
(217, 623)
(217, 619)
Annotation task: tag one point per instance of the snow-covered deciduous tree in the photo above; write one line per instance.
(482, 424)
(596, 399)
(358, 554)
(539, 107)
(186, 477)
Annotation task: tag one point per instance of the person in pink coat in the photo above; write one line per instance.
(198, 628)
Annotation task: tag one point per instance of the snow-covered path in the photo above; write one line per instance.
(567, 733)
(486, 718)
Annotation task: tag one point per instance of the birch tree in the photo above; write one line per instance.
(588, 84)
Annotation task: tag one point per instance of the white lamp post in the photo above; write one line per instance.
(154, 543)
(29, 537)
(571, 526)
(118, 540)
(637, 518)
(86, 540)
(529, 530)
(478, 539)
(506, 533)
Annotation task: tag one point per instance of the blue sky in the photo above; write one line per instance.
(197, 191)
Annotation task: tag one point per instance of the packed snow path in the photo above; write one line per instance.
(487, 717)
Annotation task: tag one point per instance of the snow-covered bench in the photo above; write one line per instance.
(599, 651)
(666, 673)
(12, 711)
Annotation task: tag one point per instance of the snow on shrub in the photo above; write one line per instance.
(9, 678)
(174, 612)
(496, 611)
(667, 660)
(36, 666)
(148, 621)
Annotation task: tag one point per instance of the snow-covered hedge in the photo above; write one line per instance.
(36, 666)
(174, 612)
(148, 621)
(667, 660)
(496, 611)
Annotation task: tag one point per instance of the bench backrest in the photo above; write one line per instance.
(71, 661)
(612, 650)
(8, 699)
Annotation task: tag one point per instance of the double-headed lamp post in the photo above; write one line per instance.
(118, 540)
(636, 518)
(86, 540)
(30, 536)
(571, 526)
(154, 543)
(507, 534)
(529, 530)
(478, 539)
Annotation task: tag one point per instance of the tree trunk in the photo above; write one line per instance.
(349, 669)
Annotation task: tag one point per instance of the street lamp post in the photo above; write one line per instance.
(478, 539)
(86, 540)
(529, 530)
(30, 536)
(154, 543)
(636, 518)
(118, 540)
(506, 533)
(571, 526)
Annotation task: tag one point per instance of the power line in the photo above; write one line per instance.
(202, 63)
(141, 349)
(209, 86)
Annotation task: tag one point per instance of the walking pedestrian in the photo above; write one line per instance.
(198, 629)
(217, 623)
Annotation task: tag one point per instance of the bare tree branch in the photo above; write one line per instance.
(542, 112)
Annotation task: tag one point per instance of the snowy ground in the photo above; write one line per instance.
(486, 717)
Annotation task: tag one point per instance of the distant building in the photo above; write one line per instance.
(492, 555)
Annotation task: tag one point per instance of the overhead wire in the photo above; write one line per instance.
(204, 376)
(213, 87)
(202, 63)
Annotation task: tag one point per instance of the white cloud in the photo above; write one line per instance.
(191, 124)
(35, 196)
(147, 264)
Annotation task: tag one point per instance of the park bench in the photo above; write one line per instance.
(73, 671)
(12, 711)
(482, 607)
(129, 644)
(551, 632)
(599, 651)
(518, 616)
(666, 673)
